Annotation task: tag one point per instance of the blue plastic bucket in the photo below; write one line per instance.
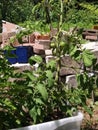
(12, 59)
(22, 54)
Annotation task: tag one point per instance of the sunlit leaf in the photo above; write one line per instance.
(35, 59)
(43, 91)
(33, 113)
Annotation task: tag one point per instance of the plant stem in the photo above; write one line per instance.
(58, 44)
(61, 15)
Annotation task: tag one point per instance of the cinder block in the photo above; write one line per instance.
(71, 81)
(92, 38)
(38, 49)
(70, 66)
(48, 58)
(32, 38)
(48, 52)
(44, 43)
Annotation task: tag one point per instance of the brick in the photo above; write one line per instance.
(39, 49)
(43, 37)
(44, 43)
(32, 38)
(93, 38)
(95, 27)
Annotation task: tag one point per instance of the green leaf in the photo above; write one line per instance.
(39, 111)
(79, 79)
(80, 31)
(31, 76)
(9, 104)
(18, 121)
(96, 67)
(36, 7)
(50, 79)
(39, 101)
(51, 64)
(69, 112)
(88, 110)
(87, 61)
(9, 53)
(33, 114)
(89, 54)
(96, 103)
(73, 51)
(29, 91)
(35, 59)
(42, 90)
(49, 74)
(50, 82)
(88, 58)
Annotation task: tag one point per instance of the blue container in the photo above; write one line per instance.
(11, 59)
(22, 54)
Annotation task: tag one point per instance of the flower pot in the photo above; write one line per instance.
(70, 123)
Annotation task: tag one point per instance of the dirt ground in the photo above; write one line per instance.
(91, 123)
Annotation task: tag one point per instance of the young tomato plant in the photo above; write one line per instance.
(39, 95)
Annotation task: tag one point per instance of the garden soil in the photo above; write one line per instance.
(91, 123)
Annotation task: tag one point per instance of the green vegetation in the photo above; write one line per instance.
(40, 95)
(76, 12)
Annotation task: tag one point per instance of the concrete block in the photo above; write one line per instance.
(69, 66)
(71, 81)
(48, 52)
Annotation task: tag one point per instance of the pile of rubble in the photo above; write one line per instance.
(41, 46)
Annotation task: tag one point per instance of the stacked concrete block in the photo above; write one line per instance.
(43, 40)
(6, 36)
(67, 73)
(48, 52)
(5, 39)
(9, 27)
(69, 66)
(48, 55)
(8, 30)
(44, 43)
(38, 49)
(91, 34)
(22, 67)
(71, 81)
(33, 36)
